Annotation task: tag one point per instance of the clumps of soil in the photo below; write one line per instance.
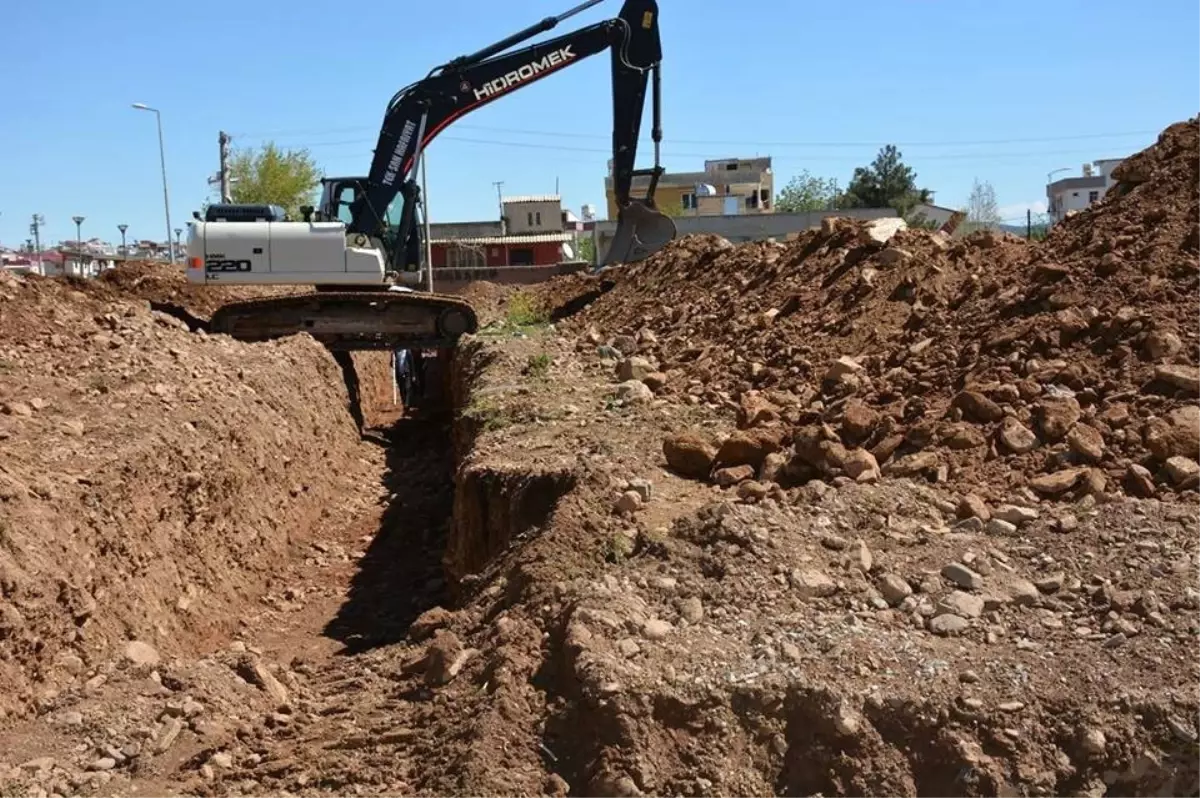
(1066, 367)
(151, 477)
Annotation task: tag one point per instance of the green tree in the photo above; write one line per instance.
(288, 178)
(804, 193)
(887, 183)
(587, 248)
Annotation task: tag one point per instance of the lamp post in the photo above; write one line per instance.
(124, 249)
(163, 162)
(79, 241)
(178, 232)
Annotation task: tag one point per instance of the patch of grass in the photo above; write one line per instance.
(538, 366)
(526, 310)
(487, 412)
(618, 547)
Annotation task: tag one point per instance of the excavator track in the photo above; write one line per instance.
(352, 320)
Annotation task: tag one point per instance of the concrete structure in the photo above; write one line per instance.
(1077, 193)
(935, 214)
(532, 232)
(742, 227)
(726, 187)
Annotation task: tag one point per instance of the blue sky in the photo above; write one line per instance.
(966, 90)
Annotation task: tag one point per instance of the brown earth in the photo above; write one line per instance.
(613, 571)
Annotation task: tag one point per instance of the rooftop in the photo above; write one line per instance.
(533, 198)
(537, 238)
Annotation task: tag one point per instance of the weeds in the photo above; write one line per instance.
(526, 310)
(538, 366)
(487, 412)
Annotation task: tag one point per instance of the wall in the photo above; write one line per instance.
(464, 229)
(518, 217)
(747, 227)
(451, 281)
(544, 253)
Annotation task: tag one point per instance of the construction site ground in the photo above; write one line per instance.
(867, 512)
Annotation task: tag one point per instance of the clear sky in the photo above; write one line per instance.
(1003, 93)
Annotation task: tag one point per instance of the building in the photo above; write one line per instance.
(1076, 193)
(534, 231)
(726, 187)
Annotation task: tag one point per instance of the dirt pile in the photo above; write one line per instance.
(1067, 367)
(165, 286)
(151, 479)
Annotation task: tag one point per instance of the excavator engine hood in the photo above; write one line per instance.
(641, 231)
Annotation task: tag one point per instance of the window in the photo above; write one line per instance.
(1093, 196)
(688, 201)
(539, 218)
(731, 167)
(521, 257)
(531, 218)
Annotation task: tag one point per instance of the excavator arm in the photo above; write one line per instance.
(419, 112)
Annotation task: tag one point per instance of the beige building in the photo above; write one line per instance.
(726, 187)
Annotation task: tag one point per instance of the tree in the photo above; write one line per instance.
(587, 248)
(887, 183)
(982, 209)
(805, 193)
(270, 175)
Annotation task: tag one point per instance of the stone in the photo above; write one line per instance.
(103, 763)
(634, 368)
(643, 488)
(445, 658)
(947, 625)
(751, 490)
(628, 502)
(882, 230)
(429, 622)
(689, 454)
(962, 436)
(655, 381)
(863, 559)
(750, 446)
(963, 576)
(998, 526)
(1185, 378)
(634, 392)
(754, 410)
(972, 506)
(811, 583)
(170, 733)
(1056, 415)
(1051, 583)
(728, 477)
(628, 647)
(858, 422)
(772, 467)
(1138, 481)
(17, 409)
(1057, 482)
(977, 407)
(844, 366)
(1015, 514)
(893, 588)
(656, 629)
(1022, 592)
(1183, 472)
(1016, 437)
(691, 609)
(257, 673)
(625, 344)
(912, 465)
(1092, 741)
(861, 466)
(1086, 442)
(141, 654)
(960, 603)
(222, 759)
(893, 256)
(1160, 344)
(791, 651)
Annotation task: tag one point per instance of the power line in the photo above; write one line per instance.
(732, 142)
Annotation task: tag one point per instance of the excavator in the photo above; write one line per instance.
(364, 241)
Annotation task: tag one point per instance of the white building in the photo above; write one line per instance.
(1077, 193)
(533, 214)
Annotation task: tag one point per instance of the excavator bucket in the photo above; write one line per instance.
(641, 231)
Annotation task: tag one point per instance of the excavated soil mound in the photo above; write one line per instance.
(1067, 367)
(151, 479)
(165, 284)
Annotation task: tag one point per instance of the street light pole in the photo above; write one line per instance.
(178, 246)
(79, 241)
(124, 249)
(162, 157)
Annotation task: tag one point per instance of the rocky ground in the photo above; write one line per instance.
(866, 513)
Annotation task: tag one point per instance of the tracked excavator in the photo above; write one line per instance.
(365, 237)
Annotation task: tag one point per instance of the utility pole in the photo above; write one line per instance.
(79, 241)
(223, 141)
(503, 225)
(36, 229)
(124, 249)
(178, 246)
(1028, 224)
